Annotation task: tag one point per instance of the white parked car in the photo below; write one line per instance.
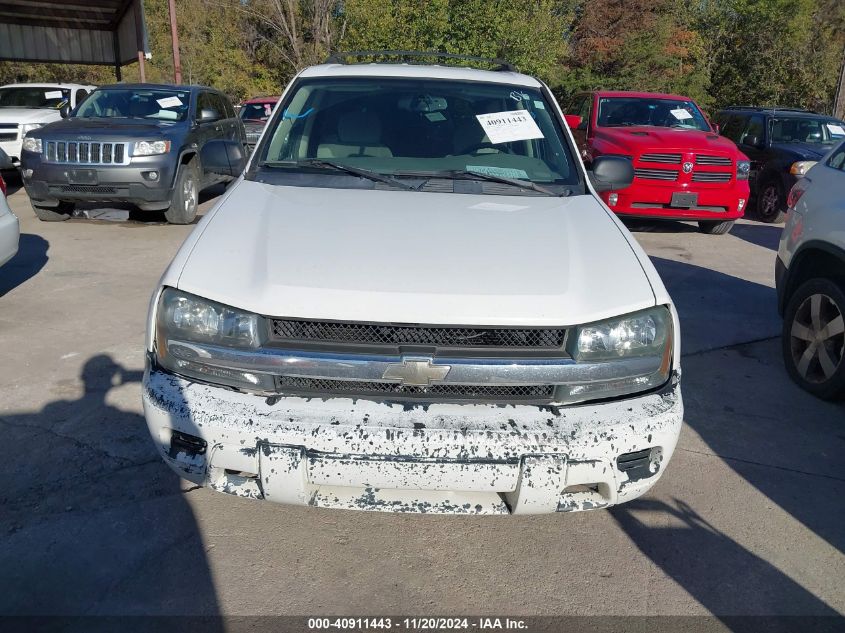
(9, 227)
(810, 275)
(25, 107)
(414, 300)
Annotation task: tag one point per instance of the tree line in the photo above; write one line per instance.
(720, 52)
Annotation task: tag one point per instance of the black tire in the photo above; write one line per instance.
(771, 202)
(186, 190)
(815, 357)
(715, 228)
(54, 214)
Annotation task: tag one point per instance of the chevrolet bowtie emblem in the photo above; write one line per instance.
(416, 373)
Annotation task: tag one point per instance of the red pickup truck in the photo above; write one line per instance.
(683, 170)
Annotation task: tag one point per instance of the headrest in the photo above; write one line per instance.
(359, 128)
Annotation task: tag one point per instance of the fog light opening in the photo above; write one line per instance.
(741, 204)
(151, 175)
(612, 199)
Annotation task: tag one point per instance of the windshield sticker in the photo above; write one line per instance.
(503, 172)
(435, 116)
(169, 102)
(835, 130)
(53, 94)
(539, 105)
(288, 115)
(516, 95)
(681, 114)
(504, 127)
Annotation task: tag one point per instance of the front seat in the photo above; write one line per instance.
(358, 134)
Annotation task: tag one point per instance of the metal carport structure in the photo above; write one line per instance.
(103, 32)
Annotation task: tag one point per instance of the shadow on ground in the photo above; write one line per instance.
(636, 225)
(718, 309)
(29, 260)
(780, 440)
(765, 235)
(93, 522)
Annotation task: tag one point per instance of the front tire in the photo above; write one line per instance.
(715, 228)
(771, 203)
(185, 201)
(813, 338)
(59, 213)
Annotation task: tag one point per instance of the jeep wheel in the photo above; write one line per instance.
(814, 338)
(185, 201)
(771, 203)
(715, 228)
(54, 214)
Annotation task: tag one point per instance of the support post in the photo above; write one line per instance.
(174, 35)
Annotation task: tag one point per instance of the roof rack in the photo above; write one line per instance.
(768, 108)
(499, 64)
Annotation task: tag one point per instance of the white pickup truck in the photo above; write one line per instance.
(25, 107)
(414, 300)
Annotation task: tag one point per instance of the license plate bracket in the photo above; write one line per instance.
(684, 200)
(82, 177)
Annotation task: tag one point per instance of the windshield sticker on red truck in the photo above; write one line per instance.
(504, 127)
(681, 114)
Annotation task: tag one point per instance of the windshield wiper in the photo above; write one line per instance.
(355, 171)
(464, 174)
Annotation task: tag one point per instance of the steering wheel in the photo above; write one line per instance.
(484, 145)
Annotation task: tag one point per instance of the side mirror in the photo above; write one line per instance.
(753, 141)
(611, 173)
(64, 111)
(572, 120)
(208, 115)
(717, 128)
(223, 157)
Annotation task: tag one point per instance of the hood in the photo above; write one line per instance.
(412, 257)
(28, 115)
(642, 137)
(104, 128)
(803, 151)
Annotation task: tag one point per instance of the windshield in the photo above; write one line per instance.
(122, 103)
(806, 130)
(675, 113)
(409, 127)
(256, 111)
(34, 97)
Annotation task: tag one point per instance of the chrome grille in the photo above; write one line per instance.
(712, 176)
(86, 153)
(290, 330)
(655, 174)
(488, 393)
(716, 161)
(671, 159)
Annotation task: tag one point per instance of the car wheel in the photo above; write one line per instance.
(771, 203)
(54, 214)
(185, 201)
(814, 338)
(715, 228)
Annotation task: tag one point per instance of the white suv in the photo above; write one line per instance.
(810, 275)
(414, 300)
(25, 107)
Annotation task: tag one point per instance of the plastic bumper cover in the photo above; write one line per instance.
(440, 458)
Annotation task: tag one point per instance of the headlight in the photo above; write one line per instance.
(183, 319)
(640, 334)
(801, 167)
(150, 148)
(743, 168)
(32, 144)
(629, 354)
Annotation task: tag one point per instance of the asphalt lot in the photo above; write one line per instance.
(747, 519)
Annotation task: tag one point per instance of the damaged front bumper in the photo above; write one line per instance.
(439, 458)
